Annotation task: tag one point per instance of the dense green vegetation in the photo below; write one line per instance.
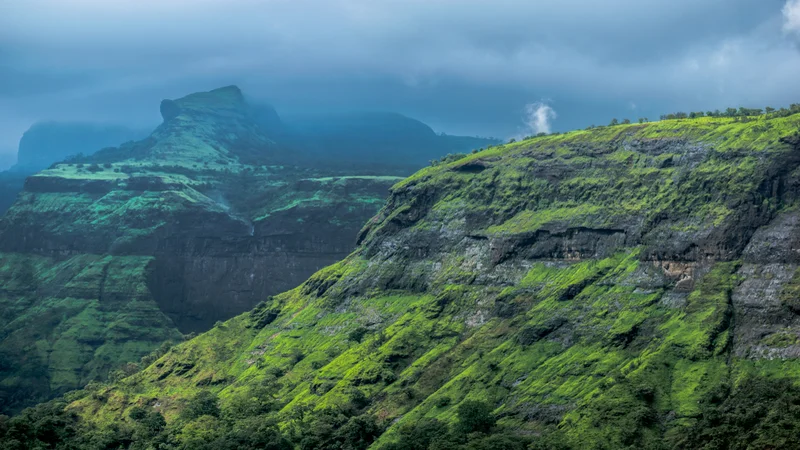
(66, 322)
(592, 289)
(84, 244)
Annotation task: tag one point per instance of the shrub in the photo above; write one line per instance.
(357, 335)
(475, 416)
(203, 404)
(443, 401)
(759, 413)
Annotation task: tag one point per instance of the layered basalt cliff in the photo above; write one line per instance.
(624, 286)
(206, 205)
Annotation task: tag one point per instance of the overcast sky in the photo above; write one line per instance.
(462, 66)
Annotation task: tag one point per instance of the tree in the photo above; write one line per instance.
(358, 433)
(418, 435)
(743, 112)
(203, 404)
(626, 122)
(614, 122)
(475, 416)
(769, 109)
(200, 433)
(496, 441)
(758, 413)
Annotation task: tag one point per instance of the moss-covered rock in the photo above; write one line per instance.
(585, 290)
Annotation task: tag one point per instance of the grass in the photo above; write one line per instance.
(61, 333)
(424, 315)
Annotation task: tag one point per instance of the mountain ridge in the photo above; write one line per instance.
(105, 256)
(606, 288)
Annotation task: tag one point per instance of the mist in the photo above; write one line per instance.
(539, 118)
(467, 67)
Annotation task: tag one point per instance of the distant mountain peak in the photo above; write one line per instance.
(49, 141)
(224, 99)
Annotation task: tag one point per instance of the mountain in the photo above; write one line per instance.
(48, 142)
(372, 141)
(378, 138)
(11, 184)
(7, 159)
(621, 287)
(105, 257)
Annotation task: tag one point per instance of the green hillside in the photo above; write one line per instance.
(104, 258)
(633, 286)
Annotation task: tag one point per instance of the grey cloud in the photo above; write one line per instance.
(467, 66)
(791, 16)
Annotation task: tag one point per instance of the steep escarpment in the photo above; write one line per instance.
(205, 205)
(624, 286)
(313, 223)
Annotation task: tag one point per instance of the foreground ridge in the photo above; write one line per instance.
(624, 286)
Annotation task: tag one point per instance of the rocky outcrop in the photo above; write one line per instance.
(767, 322)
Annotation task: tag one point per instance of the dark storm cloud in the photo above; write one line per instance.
(464, 66)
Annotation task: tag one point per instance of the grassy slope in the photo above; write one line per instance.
(598, 344)
(70, 311)
(68, 322)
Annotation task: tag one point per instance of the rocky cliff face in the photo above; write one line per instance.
(599, 289)
(202, 203)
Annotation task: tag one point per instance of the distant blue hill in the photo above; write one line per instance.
(372, 138)
(48, 142)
